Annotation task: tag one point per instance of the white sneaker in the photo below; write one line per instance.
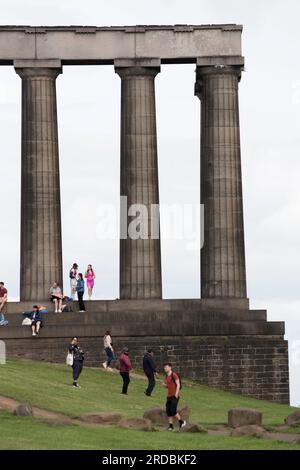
(104, 365)
(59, 311)
(33, 334)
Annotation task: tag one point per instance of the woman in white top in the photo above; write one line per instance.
(73, 279)
(56, 296)
(108, 348)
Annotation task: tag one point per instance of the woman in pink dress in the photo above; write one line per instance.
(90, 280)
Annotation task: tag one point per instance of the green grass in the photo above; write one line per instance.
(48, 386)
(27, 433)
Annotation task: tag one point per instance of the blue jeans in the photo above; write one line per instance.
(110, 356)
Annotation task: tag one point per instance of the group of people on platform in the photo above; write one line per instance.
(172, 379)
(77, 286)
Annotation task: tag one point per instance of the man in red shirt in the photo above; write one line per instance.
(3, 296)
(172, 382)
(125, 368)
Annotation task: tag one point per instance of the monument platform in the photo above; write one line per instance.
(217, 342)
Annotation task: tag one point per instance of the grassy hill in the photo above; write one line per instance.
(48, 386)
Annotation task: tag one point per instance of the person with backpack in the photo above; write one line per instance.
(149, 368)
(80, 292)
(73, 279)
(173, 384)
(78, 358)
(125, 368)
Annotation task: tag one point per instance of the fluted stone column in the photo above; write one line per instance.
(140, 259)
(41, 243)
(223, 271)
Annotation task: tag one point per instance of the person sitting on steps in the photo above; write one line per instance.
(56, 296)
(36, 320)
(3, 296)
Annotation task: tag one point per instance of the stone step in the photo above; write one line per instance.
(149, 328)
(150, 316)
(118, 305)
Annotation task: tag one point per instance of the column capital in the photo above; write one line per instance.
(137, 67)
(38, 68)
(217, 65)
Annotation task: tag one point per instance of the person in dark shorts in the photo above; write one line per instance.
(150, 371)
(125, 368)
(36, 320)
(78, 358)
(172, 383)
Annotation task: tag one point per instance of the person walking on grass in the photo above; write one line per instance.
(78, 358)
(150, 371)
(90, 276)
(125, 368)
(73, 279)
(3, 296)
(172, 383)
(108, 348)
(80, 292)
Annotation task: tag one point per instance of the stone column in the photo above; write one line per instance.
(223, 271)
(140, 259)
(41, 243)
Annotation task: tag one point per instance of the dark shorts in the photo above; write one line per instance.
(171, 406)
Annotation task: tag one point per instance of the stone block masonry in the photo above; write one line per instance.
(253, 366)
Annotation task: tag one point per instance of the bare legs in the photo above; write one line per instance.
(36, 328)
(58, 305)
(90, 293)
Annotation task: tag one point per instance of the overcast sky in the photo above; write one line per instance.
(89, 119)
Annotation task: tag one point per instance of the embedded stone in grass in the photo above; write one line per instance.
(158, 415)
(249, 430)
(105, 417)
(24, 409)
(238, 417)
(141, 424)
(193, 428)
(293, 419)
